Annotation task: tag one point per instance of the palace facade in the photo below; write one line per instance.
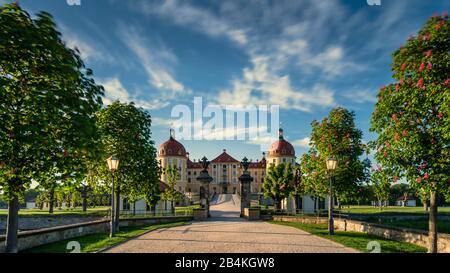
(224, 169)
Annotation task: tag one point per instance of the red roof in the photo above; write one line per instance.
(172, 148)
(193, 165)
(281, 148)
(224, 157)
(258, 165)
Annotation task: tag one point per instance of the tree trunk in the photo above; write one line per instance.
(277, 204)
(297, 203)
(84, 201)
(432, 229)
(134, 208)
(52, 201)
(425, 206)
(12, 225)
(172, 207)
(117, 210)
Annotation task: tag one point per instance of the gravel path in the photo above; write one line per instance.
(227, 233)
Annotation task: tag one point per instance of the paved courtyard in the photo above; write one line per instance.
(227, 233)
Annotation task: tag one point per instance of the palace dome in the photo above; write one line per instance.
(281, 147)
(172, 148)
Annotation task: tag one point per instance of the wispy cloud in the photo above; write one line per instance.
(89, 50)
(114, 90)
(299, 45)
(303, 143)
(196, 18)
(260, 85)
(155, 59)
(360, 95)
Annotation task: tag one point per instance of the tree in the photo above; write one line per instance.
(337, 136)
(171, 194)
(412, 115)
(298, 188)
(381, 180)
(424, 198)
(125, 132)
(312, 173)
(278, 183)
(47, 102)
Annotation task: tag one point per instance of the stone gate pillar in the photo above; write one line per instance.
(205, 179)
(245, 180)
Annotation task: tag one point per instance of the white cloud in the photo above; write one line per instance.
(154, 59)
(360, 96)
(196, 18)
(300, 46)
(114, 90)
(259, 85)
(304, 142)
(89, 50)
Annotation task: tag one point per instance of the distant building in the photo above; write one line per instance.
(225, 171)
(406, 201)
(30, 204)
(141, 206)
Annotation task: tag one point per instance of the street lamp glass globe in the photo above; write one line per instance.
(331, 164)
(113, 163)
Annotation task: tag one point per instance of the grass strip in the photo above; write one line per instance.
(95, 242)
(356, 240)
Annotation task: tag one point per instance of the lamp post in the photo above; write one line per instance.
(331, 166)
(113, 165)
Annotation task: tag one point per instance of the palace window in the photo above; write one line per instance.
(189, 180)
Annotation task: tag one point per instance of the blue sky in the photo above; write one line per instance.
(307, 56)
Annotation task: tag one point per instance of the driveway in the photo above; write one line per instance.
(227, 233)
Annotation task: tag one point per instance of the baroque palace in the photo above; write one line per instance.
(224, 169)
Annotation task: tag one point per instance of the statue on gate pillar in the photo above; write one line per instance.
(205, 179)
(245, 180)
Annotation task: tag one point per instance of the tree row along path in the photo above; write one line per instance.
(225, 232)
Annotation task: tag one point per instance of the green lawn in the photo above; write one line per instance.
(97, 211)
(186, 209)
(422, 224)
(356, 240)
(95, 242)
(390, 210)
